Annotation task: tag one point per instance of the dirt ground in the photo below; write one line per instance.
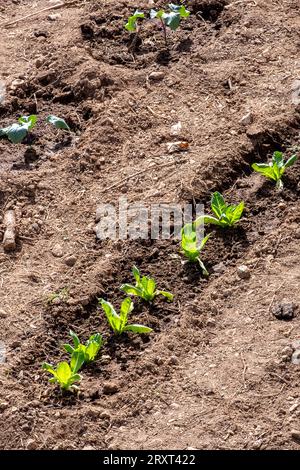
(217, 371)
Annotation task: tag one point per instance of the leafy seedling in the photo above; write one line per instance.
(171, 18)
(62, 295)
(17, 132)
(63, 375)
(119, 323)
(58, 123)
(276, 168)
(145, 287)
(192, 247)
(225, 215)
(83, 353)
(134, 20)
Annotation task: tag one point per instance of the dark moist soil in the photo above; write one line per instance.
(216, 372)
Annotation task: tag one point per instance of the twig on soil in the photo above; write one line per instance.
(244, 369)
(254, 4)
(273, 374)
(54, 7)
(121, 182)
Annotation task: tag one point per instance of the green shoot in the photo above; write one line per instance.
(145, 287)
(225, 215)
(62, 295)
(83, 353)
(191, 246)
(119, 323)
(133, 21)
(16, 133)
(63, 375)
(170, 19)
(276, 168)
(58, 123)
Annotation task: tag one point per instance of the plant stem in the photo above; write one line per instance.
(164, 31)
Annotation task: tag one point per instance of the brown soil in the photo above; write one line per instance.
(217, 372)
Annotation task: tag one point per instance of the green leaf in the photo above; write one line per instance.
(92, 350)
(172, 20)
(131, 290)
(237, 213)
(111, 315)
(168, 295)
(218, 204)
(77, 360)
(156, 14)
(291, 161)
(278, 158)
(183, 12)
(68, 348)
(131, 23)
(136, 274)
(138, 329)
(208, 219)
(126, 306)
(16, 133)
(30, 121)
(63, 373)
(58, 123)
(202, 266)
(204, 241)
(265, 170)
(151, 286)
(75, 339)
(49, 368)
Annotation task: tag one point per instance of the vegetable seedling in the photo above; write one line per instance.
(171, 18)
(192, 247)
(63, 375)
(17, 132)
(119, 323)
(225, 215)
(145, 287)
(58, 123)
(83, 353)
(134, 20)
(276, 168)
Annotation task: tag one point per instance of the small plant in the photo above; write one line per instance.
(58, 123)
(83, 353)
(276, 168)
(17, 132)
(63, 375)
(145, 287)
(170, 18)
(225, 215)
(61, 295)
(191, 246)
(119, 323)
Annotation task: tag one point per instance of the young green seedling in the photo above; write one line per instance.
(134, 21)
(83, 353)
(58, 123)
(171, 18)
(192, 247)
(119, 323)
(225, 215)
(63, 375)
(276, 168)
(16, 133)
(145, 287)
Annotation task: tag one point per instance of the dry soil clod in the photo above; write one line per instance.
(9, 239)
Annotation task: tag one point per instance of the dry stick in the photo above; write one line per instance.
(119, 183)
(54, 7)
(9, 239)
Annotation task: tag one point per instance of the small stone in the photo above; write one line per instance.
(109, 388)
(159, 75)
(57, 251)
(4, 405)
(31, 444)
(70, 261)
(247, 119)
(210, 322)
(105, 415)
(283, 310)
(158, 360)
(54, 17)
(88, 447)
(17, 83)
(295, 434)
(173, 361)
(296, 357)
(243, 272)
(287, 351)
(219, 268)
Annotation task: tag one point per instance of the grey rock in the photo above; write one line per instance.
(156, 76)
(70, 261)
(243, 272)
(296, 357)
(283, 310)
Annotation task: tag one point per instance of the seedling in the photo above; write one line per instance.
(83, 353)
(276, 168)
(17, 132)
(225, 215)
(119, 323)
(58, 123)
(63, 375)
(192, 247)
(145, 287)
(134, 21)
(61, 295)
(171, 18)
